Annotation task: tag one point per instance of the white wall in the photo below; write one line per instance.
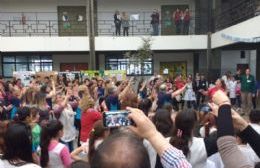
(230, 59)
(35, 6)
(246, 29)
(30, 44)
(192, 42)
(68, 58)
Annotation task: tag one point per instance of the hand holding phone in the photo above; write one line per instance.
(113, 119)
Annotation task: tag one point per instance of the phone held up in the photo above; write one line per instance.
(112, 119)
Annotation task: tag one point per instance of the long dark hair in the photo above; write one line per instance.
(49, 131)
(182, 133)
(163, 122)
(97, 132)
(18, 143)
(145, 105)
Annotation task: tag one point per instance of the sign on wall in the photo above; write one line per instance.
(72, 20)
(172, 69)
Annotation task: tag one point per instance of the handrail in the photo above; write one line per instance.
(76, 28)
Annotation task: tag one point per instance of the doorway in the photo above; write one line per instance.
(73, 67)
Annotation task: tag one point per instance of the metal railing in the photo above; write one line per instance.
(141, 27)
(48, 24)
(74, 28)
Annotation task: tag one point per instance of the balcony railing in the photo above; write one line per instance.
(47, 24)
(74, 28)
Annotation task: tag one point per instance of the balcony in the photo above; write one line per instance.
(35, 24)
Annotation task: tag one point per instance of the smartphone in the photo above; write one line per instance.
(113, 119)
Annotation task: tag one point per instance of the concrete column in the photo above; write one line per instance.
(215, 64)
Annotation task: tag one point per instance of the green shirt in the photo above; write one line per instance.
(248, 83)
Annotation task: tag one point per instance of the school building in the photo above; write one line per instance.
(37, 35)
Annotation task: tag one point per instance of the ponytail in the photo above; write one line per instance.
(92, 138)
(49, 131)
(97, 132)
(44, 144)
(181, 142)
(182, 133)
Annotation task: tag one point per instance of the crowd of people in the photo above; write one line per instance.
(179, 21)
(59, 123)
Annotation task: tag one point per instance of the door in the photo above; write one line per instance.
(73, 67)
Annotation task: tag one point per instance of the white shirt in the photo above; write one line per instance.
(198, 153)
(231, 86)
(67, 120)
(202, 131)
(6, 164)
(246, 150)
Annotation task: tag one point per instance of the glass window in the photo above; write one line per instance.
(131, 67)
(22, 67)
(26, 63)
(8, 59)
(34, 59)
(8, 70)
(21, 59)
(35, 66)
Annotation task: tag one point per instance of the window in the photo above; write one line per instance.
(131, 67)
(26, 63)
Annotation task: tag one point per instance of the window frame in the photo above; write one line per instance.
(126, 63)
(28, 61)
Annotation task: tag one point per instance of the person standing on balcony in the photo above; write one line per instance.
(186, 21)
(117, 21)
(125, 23)
(155, 22)
(177, 21)
(247, 90)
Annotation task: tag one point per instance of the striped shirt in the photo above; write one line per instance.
(174, 158)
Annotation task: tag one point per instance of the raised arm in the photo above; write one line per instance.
(53, 92)
(179, 91)
(171, 157)
(231, 156)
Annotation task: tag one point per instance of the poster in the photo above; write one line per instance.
(25, 76)
(119, 74)
(42, 75)
(90, 74)
(172, 69)
(167, 17)
(71, 75)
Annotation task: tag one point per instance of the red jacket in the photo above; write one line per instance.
(88, 118)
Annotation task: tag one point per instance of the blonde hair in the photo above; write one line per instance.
(86, 102)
